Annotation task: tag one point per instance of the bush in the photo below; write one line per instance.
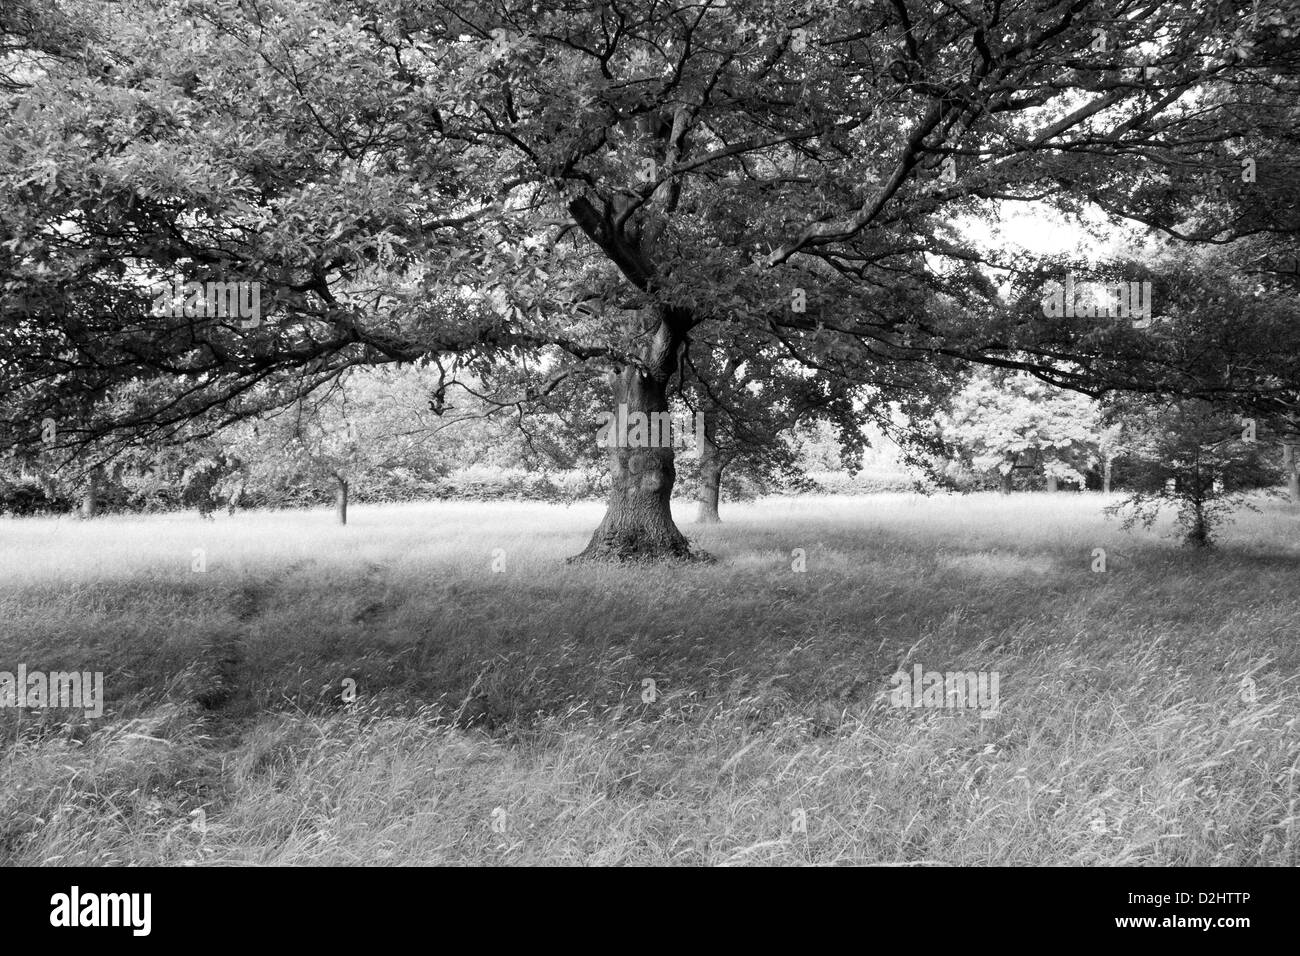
(495, 483)
(27, 496)
(862, 483)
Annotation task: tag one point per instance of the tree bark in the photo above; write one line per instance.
(638, 522)
(1105, 478)
(1051, 484)
(711, 465)
(1007, 481)
(1198, 535)
(90, 497)
(1292, 468)
(341, 499)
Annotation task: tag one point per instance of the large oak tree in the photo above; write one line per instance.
(584, 186)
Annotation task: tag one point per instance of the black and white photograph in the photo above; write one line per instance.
(651, 433)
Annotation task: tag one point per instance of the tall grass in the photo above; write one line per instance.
(504, 716)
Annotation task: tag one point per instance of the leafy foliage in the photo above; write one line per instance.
(1195, 459)
(999, 424)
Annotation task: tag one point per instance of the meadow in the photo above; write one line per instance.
(504, 714)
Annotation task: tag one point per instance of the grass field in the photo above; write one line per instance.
(501, 716)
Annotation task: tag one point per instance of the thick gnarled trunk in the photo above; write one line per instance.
(638, 521)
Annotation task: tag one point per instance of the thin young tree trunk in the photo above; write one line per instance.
(1105, 478)
(1199, 537)
(90, 497)
(1291, 466)
(1200, 533)
(711, 465)
(341, 499)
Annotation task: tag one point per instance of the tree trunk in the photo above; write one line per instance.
(341, 499)
(1105, 478)
(1006, 481)
(1051, 484)
(90, 497)
(711, 465)
(1198, 536)
(1292, 468)
(638, 521)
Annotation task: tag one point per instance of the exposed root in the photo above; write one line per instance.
(628, 548)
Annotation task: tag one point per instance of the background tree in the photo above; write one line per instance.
(1001, 424)
(1291, 470)
(1194, 458)
(372, 423)
(749, 401)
